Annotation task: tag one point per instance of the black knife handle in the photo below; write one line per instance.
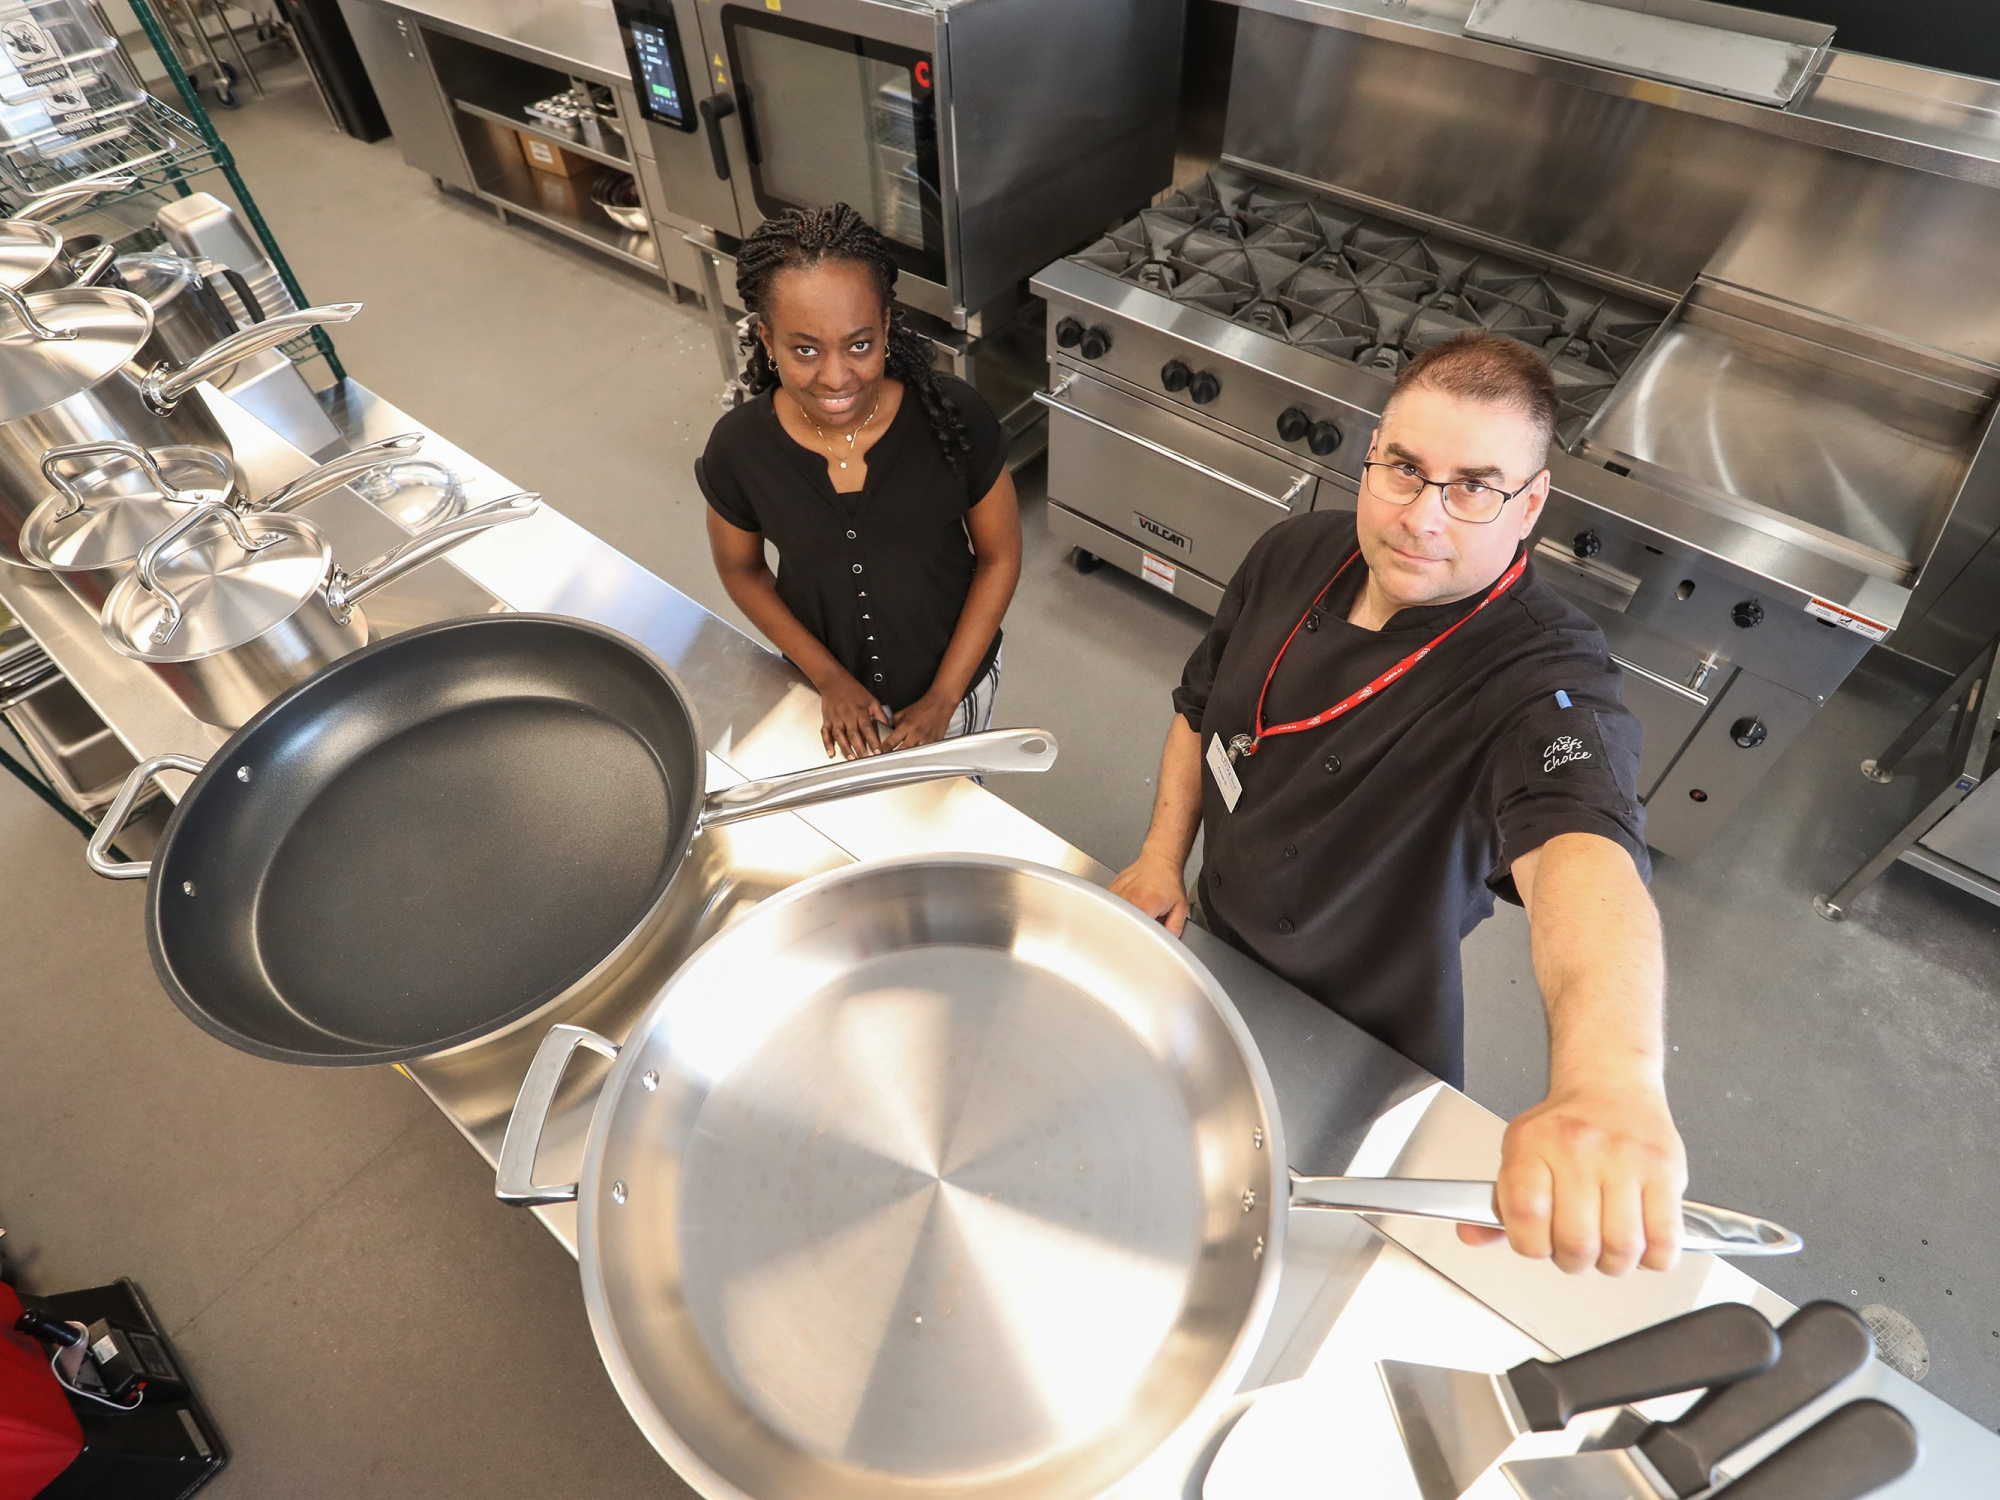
(1819, 1346)
(1852, 1453)
(1712, 1346)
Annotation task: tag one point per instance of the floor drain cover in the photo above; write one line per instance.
(1897, 1340)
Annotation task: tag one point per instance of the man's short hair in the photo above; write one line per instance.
(1491, 369)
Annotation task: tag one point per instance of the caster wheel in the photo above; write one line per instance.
(226, 97)
(229, 72)
(1085, 562)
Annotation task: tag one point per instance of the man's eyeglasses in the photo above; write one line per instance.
(1470, 500)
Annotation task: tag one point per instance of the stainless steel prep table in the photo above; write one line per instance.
(1348, 1103)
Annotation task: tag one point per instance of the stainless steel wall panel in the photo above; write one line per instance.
(1061, 119)
(1646, 193)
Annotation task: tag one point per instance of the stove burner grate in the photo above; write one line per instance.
(1368, 291)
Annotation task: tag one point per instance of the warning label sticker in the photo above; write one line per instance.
(1159, 574)
(1847, 619)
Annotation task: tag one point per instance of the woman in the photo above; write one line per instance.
(883, 484)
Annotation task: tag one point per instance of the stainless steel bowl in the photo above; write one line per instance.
(618, 195)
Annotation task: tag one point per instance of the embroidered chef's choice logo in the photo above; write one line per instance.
(1563, 750)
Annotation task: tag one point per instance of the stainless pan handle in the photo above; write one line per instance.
(39, 209)
(1283, 502)
(349, 589)
(164, 386)
(1716, 1231)
(98, 851)
(335, 472)
(90, 270)
(514, 1181)
(995, 752)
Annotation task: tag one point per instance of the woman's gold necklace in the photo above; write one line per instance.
(831, 451)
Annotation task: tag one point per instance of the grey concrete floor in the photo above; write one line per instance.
(363, 1317)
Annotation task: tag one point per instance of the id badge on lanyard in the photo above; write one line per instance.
(1226, 780)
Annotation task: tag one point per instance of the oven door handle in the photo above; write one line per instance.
(714, 110)
(1678, 689)
(1282, 502)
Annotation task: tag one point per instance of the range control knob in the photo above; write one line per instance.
(1323, 438)
(1069, 333)
(1748, 613)
(1292, 424)
(1586, 544)
(1749, 733)
(1095, 343)
(1204, 388)
(1175, 375)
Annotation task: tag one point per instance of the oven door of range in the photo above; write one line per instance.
(1181, 492)
(834, 101)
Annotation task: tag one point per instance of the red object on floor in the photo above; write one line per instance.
(39, 1437)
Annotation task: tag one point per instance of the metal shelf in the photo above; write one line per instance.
(554, 138)
(158, 145)
(510, 189)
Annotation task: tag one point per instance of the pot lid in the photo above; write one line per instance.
(416, 495)
(115, 508)
(224, 593)
(26, 250)
(77, 336)
(157, 278)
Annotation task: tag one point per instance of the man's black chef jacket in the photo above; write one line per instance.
(1361, 853)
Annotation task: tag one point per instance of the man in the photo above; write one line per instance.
(1391, 721)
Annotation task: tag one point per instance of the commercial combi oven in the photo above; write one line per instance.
(982, 137)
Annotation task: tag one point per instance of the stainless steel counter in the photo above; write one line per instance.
(578, 36)
(1350, 1292)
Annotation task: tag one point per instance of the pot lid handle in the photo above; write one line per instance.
(73, 498)
(42, 332)
(149, 559)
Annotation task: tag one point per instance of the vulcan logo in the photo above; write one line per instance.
(1561, 751)
(1154, 528)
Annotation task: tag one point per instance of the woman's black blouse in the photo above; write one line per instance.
(879, 576)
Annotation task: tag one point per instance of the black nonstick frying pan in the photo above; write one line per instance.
(448, 832)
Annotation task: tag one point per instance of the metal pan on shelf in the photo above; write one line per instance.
(68, 374)
(451, 833)
(111, 499)
(946, 1177)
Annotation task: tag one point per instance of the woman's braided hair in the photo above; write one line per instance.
(803, 237)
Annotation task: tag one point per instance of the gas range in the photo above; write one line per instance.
(1366, 291)
(1218, 363)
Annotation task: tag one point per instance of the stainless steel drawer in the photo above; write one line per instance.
(1185, 493)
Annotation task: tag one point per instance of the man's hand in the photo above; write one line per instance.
(1593, 1176)
(848, 717)
(922, 723)
(1152, 883)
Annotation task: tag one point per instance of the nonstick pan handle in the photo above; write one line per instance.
(98, 850)
(995, 752)
(514, 1182)
(1715, 1231)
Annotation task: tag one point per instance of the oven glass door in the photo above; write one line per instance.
(830, 116)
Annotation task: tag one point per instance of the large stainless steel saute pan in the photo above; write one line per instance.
(449, 833)
(947, 1177)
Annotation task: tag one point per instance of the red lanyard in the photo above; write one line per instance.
(1247, 744)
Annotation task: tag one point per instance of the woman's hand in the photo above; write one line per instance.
(848, 715)
(922, 723)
